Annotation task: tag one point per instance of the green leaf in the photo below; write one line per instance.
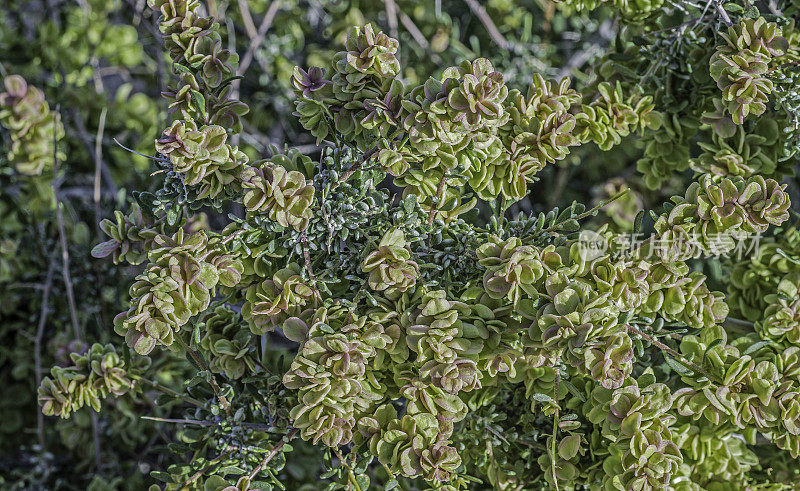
(678, 366)
(755, 347)
(162, 476)
(733, 8)
(199, 102)
(544, 398)
(330, 473)
(179, 448)
(173, 214)
(363, 481)
(713, 343)
(231, 469)
(573, 390)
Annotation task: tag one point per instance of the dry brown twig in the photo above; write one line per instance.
(62, 235)
(255, 42)
(391, 15)
(211, 380)
(480, 11)
(37, 354)
(349, 172)
(98, 163)
(437, 202)
(420, 39)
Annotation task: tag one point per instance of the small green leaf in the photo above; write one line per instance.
(678, 366)
(543, 398)
(755, 347)
(708, 348)
(162, 476)
(199, 102)
(573, 390)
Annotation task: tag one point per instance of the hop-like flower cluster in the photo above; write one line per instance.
(178, 283)
(229, 343)
(131, 237)
(625, 282)
(271, 302)
(639, 432)
(332, 373)
(759, 389)
(780, 321)
(574, 319)
(514, 270)
(284, 195)
(757, 276)
(203, 156)
(34, 128)
(666, 151)
(540, 127)
(202, 63)
(715, 212)
(713, 457)
(409, 445)
(92, 377)
(688, 300)
(611, 117)
(390, 267)
(740, 66)
(463, 127)
(415, 332)
(745, 153)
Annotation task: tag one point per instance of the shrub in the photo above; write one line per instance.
(413, 298)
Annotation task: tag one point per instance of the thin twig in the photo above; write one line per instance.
(167, 390)
(98, 451)
(65, 270)
(247, 19)
(418, 36)
(84, 137)
(73, 311)
(202, 471)
(693, 20)
(307, 257)
(211, 380)
(256, 41)
(592, 210)
(488, 23)
(98, 163)
(391, 15)
(158, 159)
(272, 453)
(561, 181)
(349, 172)
(670, 351)
(37, 355)
(578, 60)
(556, 420)
(255, 426)
(437, 199)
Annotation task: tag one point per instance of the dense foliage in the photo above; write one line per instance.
(415, 245)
